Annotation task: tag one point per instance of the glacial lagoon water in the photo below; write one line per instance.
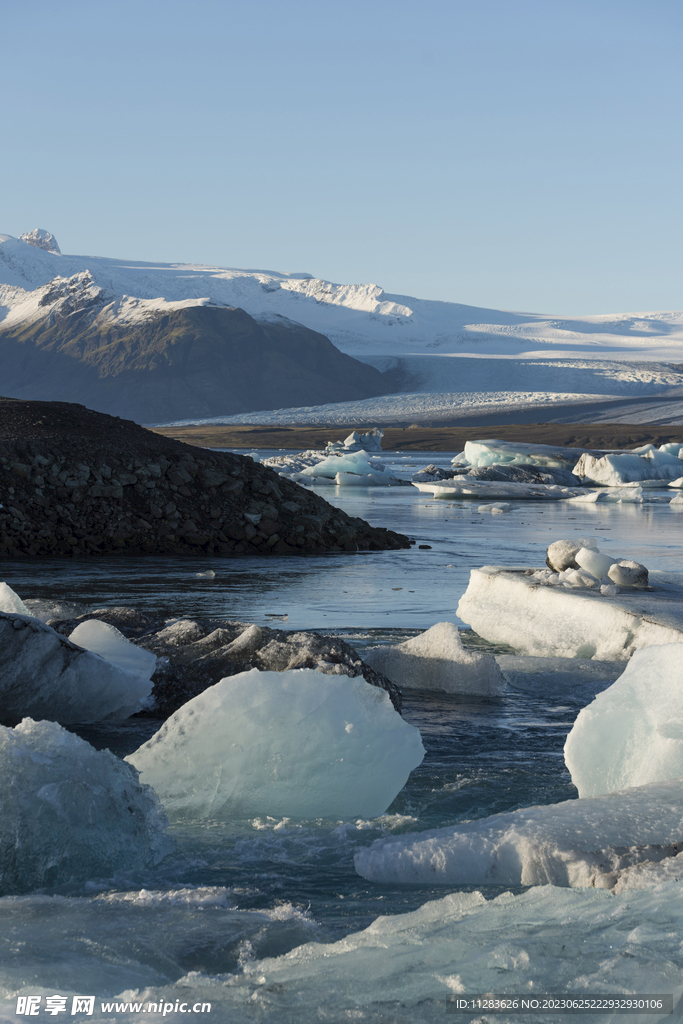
(234, 905)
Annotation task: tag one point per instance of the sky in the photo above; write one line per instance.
(513, 154)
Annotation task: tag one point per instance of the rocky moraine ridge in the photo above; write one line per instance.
(78, 482)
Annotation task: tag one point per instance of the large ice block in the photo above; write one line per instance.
(436, 660)
(516, 453)
(44, 675)
(632, 733)
(470, 487)
(517, 607)
(114, 647)
(297, 744)
(574, 843)
(69, 812)
(616, 469)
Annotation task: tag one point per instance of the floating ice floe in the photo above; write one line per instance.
(516, 453)
(585, 843)
(297, 744)
(436, 660)
(470, 487)
(370, 441)
(558, 676)
(69, 812)
(10, 602)
(614, 495)
(344, 466)
(632, 733)
(548, 939)
(107, 641)
(44, 675)
(572, 614)
(496, 507)
(616, 469)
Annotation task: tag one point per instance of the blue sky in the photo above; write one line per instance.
(519, 154)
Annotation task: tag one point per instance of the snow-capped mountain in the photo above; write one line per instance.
(447, 359)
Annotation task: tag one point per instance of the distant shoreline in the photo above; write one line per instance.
(436, 439)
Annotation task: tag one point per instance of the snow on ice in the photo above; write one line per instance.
(632, 733)
(298, 744)
(70, 812)
(436, 660)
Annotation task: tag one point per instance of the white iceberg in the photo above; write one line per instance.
(10, 602)
(632, 733)
(616, 469)
(69, 812)
(436, 660)
(517, 453)
(44, 675)
(114, 647)
(353, 462)
(520, 608)
(298, 744)
(584, 843)
(470, 487)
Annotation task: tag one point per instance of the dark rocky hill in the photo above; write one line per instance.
(77, 482)
(191, 362)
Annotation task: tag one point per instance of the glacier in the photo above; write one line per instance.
(299, 744)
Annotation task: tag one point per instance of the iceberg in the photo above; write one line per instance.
(516, 453)
(632, 733)
(44, 675)
(69, 812)
(436, 660)
(537, 615)
(353, 462)
(11, 602)
(298, 744)
(470, 487)
(114, 647)
(614, 470)
(576, 843)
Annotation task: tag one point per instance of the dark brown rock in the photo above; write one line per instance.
(77, 482)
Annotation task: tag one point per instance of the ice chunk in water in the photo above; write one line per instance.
(436, 660)
(574, 843)
(114, 647)
(70, 812)
(44, 675)
(614, 469)
(520, 608)
(298, 744)
(11, 602)
(594, 562)
(517, 453)
(561, 554)
(628, 574)
(632, 733)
